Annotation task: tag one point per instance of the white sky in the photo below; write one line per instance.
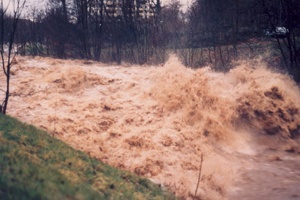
(29, 3)
(185, 3)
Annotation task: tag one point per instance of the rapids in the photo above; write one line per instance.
(157, 121)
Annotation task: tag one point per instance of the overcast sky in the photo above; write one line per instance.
(29, 3)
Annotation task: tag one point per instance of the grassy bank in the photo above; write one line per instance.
(33, 165)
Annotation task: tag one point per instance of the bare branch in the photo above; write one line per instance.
(199, 177)
(8, 57)
(6, 8)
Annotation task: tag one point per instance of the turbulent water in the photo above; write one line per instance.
(157, 122)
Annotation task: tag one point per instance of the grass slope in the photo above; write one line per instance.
(34, 165)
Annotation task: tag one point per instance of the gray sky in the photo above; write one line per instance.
(29, 3)
(185, 3)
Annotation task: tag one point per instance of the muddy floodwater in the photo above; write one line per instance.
(157, 121)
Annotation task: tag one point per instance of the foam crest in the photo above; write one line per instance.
(218, 103)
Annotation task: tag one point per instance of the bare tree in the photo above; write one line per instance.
(8, 49)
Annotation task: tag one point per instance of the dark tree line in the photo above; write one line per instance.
(222, 27)
(286, 14)
(106, 30)
(214, 32)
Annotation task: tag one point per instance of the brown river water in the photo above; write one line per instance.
(157, 121)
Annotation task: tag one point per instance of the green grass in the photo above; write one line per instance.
(34, 165)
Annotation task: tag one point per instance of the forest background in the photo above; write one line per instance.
(214, 33)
